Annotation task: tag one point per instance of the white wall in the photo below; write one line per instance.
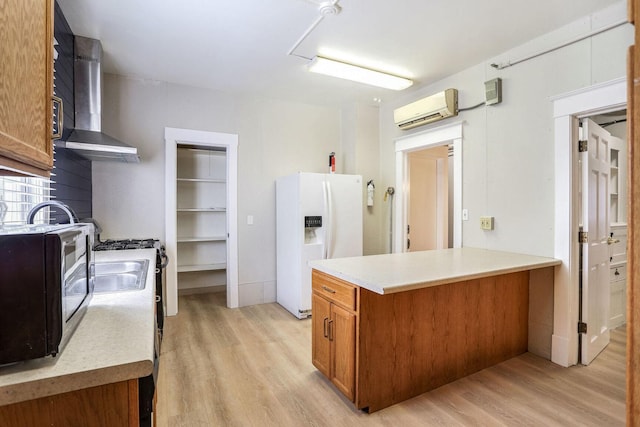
(275, 138)
(360, 144)
(507, 150)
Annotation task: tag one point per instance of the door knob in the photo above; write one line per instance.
(611, 240)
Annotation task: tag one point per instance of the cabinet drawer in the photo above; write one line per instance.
(618, 250)
(618, 273)
(334, 289)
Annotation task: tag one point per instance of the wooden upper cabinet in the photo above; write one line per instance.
(26, 86)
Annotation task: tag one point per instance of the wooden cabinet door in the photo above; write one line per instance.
(113, 404)
(320, 344)
(26, 113)
(342, 335)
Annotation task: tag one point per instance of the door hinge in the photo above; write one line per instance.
(582, 328)
(583, 146)
(583, 237)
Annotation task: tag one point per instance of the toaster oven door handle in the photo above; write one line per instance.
(165, 259)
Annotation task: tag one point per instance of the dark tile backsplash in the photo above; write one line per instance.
(72, 184)
(72, 181)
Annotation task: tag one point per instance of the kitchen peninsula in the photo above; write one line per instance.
(389, 327)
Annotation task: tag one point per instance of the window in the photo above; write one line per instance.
(20, 194)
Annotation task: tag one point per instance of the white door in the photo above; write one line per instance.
(595, 251)
(343, 228)
(308, 244)
(338, 200)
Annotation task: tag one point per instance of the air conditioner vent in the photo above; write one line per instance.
(427, 110)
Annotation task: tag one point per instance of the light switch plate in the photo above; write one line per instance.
(486, 222)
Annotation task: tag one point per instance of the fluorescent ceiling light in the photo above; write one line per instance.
(346, 71)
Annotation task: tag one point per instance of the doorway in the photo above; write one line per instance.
(447, 137)
(428, 205)
(602, 196)
(206, 243)
(568, 109)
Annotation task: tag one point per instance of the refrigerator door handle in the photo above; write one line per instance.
(326, 216)
(329, 230)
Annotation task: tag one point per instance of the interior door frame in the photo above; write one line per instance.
(567, 110)
(173, 137)
(435, 137)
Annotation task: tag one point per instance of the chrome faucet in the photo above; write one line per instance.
(52, 203)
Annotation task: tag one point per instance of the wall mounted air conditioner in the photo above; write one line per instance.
(427, 110)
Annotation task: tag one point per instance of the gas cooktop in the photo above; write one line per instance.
(120, 244)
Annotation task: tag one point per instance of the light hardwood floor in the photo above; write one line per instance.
(252, 367)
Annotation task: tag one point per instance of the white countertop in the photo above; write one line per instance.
(113, 342)
(389, 273)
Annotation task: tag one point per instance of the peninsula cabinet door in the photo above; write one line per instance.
(334, 344)
(321, 346)
(342, 334)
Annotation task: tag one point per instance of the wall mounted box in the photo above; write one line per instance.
(493, 91)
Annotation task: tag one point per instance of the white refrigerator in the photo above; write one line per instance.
(318, 216)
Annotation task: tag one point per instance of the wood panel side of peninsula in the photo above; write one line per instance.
(113, 404)
(411, 342)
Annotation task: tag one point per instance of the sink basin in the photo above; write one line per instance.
(120, 276)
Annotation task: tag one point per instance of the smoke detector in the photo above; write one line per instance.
(329, 8)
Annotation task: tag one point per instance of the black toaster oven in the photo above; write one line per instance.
(46, 283)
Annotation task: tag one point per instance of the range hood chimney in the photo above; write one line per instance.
(87, 139)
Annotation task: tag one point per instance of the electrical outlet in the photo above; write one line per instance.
(486, 222)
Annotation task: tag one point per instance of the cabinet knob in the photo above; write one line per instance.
(611, 240)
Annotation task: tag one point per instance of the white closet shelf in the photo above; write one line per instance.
(215, 181)
(202, 267)
(202, 239)
(201, 209)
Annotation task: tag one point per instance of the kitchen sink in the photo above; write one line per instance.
(119, 276)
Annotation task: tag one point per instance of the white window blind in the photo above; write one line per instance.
(20, 195)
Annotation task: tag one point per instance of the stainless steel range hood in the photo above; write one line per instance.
(87, 139)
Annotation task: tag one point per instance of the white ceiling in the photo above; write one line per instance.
(240, 46)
